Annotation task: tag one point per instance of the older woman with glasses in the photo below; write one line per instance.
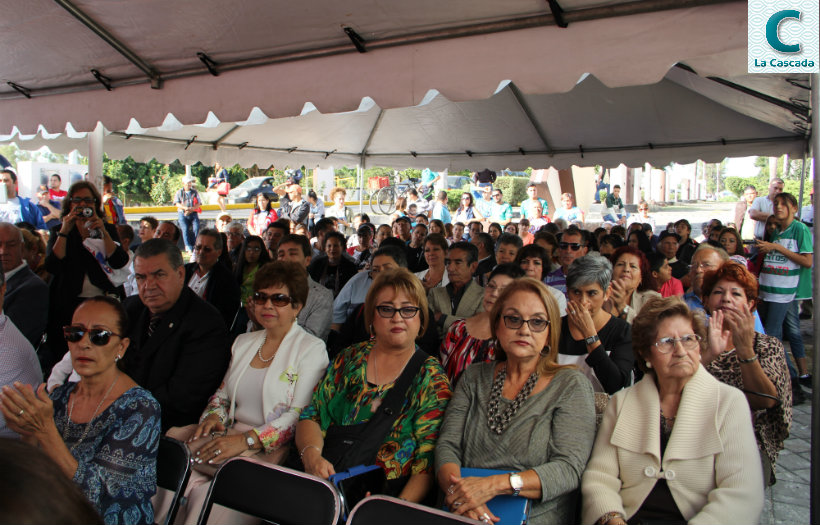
(470, 340)
(678, 447)
(102, 431)
(594, 340)
(381, 401)
(270, 380)
(523, 414)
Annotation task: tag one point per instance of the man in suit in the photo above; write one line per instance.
(179, 344)
(210, 279)
(26, 294)
(462, 297)
(486, 256)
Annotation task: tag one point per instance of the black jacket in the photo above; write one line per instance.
(26, 304)
(222, 290)
(184, 361)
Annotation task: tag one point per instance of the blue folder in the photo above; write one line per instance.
(512, 510)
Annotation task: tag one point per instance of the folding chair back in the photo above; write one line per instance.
(272, 493)
(173, 471)
(378, 510)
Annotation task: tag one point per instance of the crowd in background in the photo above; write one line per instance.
(616, 373)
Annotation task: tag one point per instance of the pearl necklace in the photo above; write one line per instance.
(87, 425)
(259, 352)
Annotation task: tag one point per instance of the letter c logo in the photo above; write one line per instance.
(772, 26)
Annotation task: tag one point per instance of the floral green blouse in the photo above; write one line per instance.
(344, 397)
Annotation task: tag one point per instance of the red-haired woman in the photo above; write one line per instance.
(748, 360)
(632, 283)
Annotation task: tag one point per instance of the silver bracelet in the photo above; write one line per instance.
(747, 361)
(302, 453)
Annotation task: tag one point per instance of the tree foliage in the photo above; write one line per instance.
(794, 171)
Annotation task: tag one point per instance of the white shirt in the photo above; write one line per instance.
(198, 284)
(765, 205)
(11, 211)
(15, 270)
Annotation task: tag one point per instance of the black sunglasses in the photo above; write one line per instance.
(536, 324)
(575, 246)
(97, 336)
(278, 299)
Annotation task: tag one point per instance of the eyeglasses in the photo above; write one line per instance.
(688, 342)
(575, 246)
(466, 198)
(97, 336)
(406, 312)
(278, 299)
(82, 200)
(702, 266)
(202, 248)
(536, 324)
(495, 288)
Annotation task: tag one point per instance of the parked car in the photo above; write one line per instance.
(248, 190)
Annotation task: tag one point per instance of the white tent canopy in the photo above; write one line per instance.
(682, 118)
(277, 55)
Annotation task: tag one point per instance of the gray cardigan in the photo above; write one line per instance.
(552, 433)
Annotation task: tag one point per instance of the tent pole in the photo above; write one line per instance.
(95, 156)
(815, 393)
(802, 186)
(360, 178)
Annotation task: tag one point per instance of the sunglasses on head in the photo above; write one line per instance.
(97, 336)
(575, 246)
(278, 299)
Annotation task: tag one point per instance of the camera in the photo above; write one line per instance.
(87, 212)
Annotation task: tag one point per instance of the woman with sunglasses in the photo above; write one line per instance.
(678, 447)
(598, 343)
(467, 212)
(84, 257)
(270, 380)
(103, 431)
(381, 401)
(522, 414)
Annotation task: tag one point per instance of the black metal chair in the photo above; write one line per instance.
(272, 493)
(173, 471)
(378, 510)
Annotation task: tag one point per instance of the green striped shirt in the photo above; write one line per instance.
(783, 280)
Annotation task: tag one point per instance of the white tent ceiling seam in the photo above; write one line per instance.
(537, 59)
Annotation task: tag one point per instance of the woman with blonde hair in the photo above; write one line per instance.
(523, 413)
(339, 210)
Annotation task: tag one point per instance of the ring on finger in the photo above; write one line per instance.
(451, 489)
(217, 452)
(485, 518)
(21, 412)
(457, 504)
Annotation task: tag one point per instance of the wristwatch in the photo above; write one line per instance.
(625, 311)
(249, 440)
(516, 483)
(592, 340)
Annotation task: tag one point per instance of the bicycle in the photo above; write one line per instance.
(384, 200)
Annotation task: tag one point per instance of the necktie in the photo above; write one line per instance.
(153, 324)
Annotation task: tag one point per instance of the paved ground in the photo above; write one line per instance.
(788, 500)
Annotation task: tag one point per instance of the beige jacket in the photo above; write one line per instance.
(711, 463)
(471, 303)
(638, 300)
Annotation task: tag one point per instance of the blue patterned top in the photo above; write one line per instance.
(117, 468)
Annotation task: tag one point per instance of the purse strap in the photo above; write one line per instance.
(382, 421)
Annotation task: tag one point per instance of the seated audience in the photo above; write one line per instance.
(270, 380)
(26, 296)
(486, 256)
(608, 244)
(254, 255)
(211, 280)
(470, 340)
(333, 269)
(661, 270)
(574, 244)
(678, 446)
(632, 283)
(363, 249)
(102, 431)
(730, 240)
(461, 297)
(506, 248)
(741, 357)
(356, 397)
(435, 252)
(179, 344)
(668, 246)
(536, 263)
(315, 315)
(594, 340)
(522, 413)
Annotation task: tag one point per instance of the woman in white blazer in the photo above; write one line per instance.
(269, 381)
(678, 447)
